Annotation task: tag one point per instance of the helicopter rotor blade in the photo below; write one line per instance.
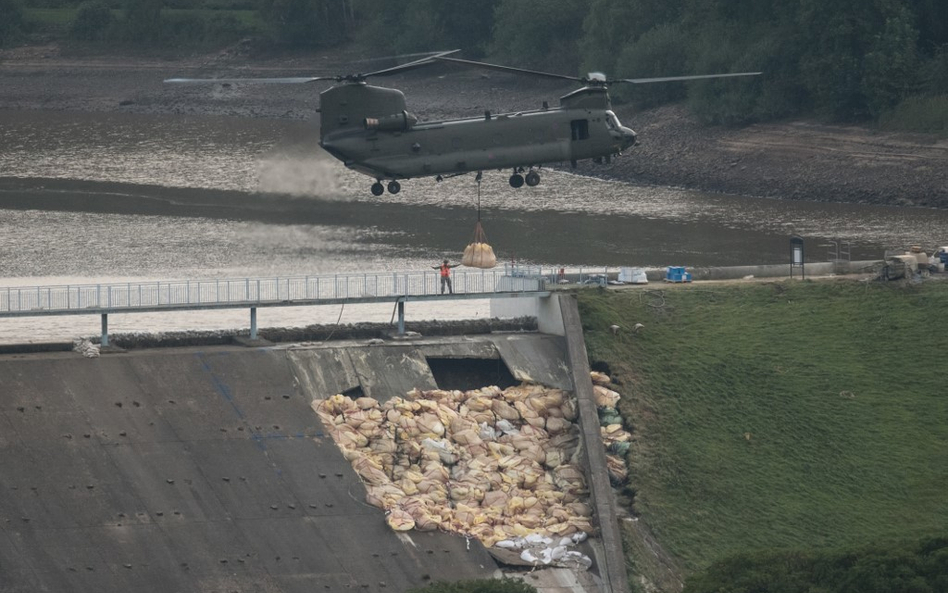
(677, 78)
(427, 60)
(508, 69)
(420, 54)
(287, 80)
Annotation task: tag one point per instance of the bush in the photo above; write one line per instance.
(196, 29)
(928, 115)
(92, 21)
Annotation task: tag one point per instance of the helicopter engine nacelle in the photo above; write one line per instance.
(398, 122)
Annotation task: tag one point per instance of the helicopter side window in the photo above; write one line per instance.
(580, 129)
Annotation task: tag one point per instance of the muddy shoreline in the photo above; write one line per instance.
(799, 160)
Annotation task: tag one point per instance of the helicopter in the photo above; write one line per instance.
(371, 131)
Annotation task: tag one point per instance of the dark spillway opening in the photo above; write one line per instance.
(354, 392)
(470, 373)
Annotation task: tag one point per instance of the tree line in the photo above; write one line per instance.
(846, 60)
(891, 567)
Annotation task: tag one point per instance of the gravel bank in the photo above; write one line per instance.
(790, 160)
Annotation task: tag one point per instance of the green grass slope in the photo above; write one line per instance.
(780, 415)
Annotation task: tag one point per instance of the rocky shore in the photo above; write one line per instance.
(800, 159)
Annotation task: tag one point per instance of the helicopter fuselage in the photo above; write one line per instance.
(391, 145)
(370, 130)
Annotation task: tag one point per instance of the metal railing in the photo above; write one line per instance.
(130, 296)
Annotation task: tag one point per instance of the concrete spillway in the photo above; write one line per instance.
(205, 469)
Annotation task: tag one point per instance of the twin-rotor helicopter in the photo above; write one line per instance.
(370, 130)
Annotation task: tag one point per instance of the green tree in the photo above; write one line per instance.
(402, 26)
(540, 33)
(934, 73)
(662, 51)
(931, 21)
(142, 23)
(842, 35)
(92, 21)
(295, 22)
(308, 22)
(11, 23)
(610, 26)
(891, 65)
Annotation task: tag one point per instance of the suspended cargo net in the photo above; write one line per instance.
(479, 253)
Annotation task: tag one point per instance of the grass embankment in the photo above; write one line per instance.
(781, 415)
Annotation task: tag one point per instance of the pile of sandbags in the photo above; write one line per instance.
(478, 253)
(488, 463)
(615, 437)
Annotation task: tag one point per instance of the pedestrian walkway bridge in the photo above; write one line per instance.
(252, 293)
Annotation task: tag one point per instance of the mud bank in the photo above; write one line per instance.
(798, 159)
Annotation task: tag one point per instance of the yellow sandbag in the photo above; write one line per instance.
(427, 522)
(504, 410)
(615, 433)
(399, 520)
(534, 453)
(618, 472)
(556, 426)
(467, 437)
(430, 423)
(600, 378)
(366, 403)
(554, 459)
(479, 404)
(495, 498)
(605, 397)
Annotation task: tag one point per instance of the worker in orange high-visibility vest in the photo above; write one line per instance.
(445, 269)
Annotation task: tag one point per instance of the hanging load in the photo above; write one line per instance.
(478, 253)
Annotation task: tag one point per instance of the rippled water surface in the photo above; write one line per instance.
(93, 197)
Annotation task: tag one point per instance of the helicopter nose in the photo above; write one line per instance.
(628, 137)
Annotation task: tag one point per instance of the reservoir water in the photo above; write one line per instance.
(91, 197)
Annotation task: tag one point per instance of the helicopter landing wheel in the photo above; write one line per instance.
(533, 179)
(394, 187)
(377, 189)
(516, 180)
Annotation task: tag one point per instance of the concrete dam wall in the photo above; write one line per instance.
(205, 469)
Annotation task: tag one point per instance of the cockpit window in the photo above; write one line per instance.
(612, 121)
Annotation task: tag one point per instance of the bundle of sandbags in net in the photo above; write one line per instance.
(478, 253)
